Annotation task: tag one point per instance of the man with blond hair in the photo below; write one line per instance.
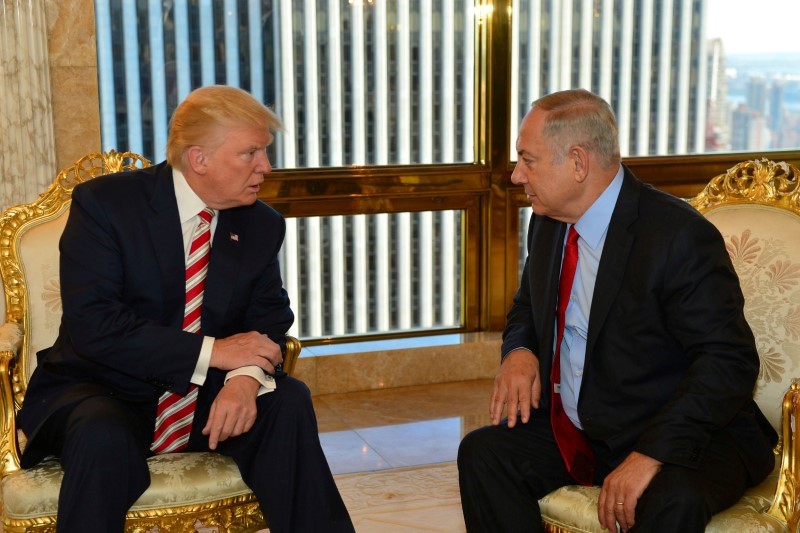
(173, 331)
(626, 360)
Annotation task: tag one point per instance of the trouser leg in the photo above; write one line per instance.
(99, 443)
(282, 461)
(684, 499)
(503, 473)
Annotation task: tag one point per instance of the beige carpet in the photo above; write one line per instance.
(421, 498)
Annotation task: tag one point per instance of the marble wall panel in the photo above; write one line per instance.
(73, 74)
(76, 113)
(71, 33)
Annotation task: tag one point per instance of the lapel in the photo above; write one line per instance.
(163, 224)
(547, 237)
(613, 262)
(223, 270)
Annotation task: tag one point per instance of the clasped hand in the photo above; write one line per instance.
(246, 349)
(233, 411)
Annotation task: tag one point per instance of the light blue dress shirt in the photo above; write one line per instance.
(592, 228)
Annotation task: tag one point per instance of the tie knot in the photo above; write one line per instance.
(206, 215)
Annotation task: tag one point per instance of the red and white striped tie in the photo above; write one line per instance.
(175, 412)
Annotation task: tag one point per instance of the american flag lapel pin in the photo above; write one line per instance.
(234, 237)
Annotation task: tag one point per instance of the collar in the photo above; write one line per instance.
(189, 204)
(593, 224)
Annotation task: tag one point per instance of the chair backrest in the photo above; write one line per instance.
(756, 206)
(29, 257)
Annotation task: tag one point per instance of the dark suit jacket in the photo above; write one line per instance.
(123, 290)
(670, 358)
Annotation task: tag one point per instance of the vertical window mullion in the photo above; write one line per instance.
(468, 89)
(645, 73)
(426, 90)
(183, 62)
(291, 277)
(684, 57)
(207, 70)
(256, 51)
(358, 93)
(231, 32)
(664, 74)
(335, 129)
(382, 277)
(105, 64)
(625, 77)
(381, 89)
(285, 53)
(310, 84)
(337, 276)
(404, 83)
(360, 278)
(158, 84)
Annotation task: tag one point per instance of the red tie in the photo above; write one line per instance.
(175, 411)
(572, 443)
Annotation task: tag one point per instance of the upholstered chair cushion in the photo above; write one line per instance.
(179, 479)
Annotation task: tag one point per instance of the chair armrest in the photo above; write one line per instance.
(10, 341)
(293, 347)
(785, 504)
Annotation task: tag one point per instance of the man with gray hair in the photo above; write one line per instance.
(626, 359)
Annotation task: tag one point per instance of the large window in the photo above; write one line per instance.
(356, 82)
(400, 117)
(683, 76)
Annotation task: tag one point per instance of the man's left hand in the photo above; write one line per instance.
(622, 489)
(233, 411)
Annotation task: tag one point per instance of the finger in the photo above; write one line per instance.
(619, 515)
(524, 406)
(215, 432)
(513, 407)
(536, 392)
(212, 411)
(497, 403)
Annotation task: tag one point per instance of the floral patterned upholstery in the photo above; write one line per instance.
(188, 491)
(756, 206)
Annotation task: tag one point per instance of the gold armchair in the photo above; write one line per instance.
(756, 206)
(188, 491)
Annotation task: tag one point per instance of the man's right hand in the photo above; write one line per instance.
(517, 386)
(246, 349)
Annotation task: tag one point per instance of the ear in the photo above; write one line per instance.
(196, 157)
(579, 161)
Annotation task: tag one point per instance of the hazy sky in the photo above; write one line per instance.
(755, 25)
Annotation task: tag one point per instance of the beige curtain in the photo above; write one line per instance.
(27, 146)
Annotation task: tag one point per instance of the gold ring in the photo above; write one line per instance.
(620, 503)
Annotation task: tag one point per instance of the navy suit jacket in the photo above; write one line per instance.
(123, 288)
(670, 358)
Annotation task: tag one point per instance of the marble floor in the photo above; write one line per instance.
(393, 451)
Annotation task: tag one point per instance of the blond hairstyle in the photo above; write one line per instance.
(579, 117)
(197, 120)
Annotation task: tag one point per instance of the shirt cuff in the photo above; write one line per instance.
(266, 381)
(203, 360)
(503, 357)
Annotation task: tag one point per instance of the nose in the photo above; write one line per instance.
(518, 175)
(263, 165)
